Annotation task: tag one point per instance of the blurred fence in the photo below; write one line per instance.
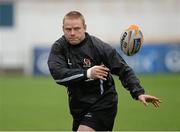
(151, 59)
(40, 57)
(25, 24)
(159, 58)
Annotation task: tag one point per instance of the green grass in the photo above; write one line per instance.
(37, 103)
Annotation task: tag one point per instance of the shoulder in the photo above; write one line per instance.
(100, 43)
(61, 41)
(59, 45)
(96, 40)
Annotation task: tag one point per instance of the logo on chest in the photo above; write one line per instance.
(87, 62)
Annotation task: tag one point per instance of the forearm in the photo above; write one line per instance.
(66, 76)
(131, 82)
(127, 76)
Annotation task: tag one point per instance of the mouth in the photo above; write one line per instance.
(73, 39)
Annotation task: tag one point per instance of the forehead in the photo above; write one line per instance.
(73, 22)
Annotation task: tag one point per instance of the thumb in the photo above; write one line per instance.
(144, 102)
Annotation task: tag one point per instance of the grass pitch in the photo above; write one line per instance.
(37, 103)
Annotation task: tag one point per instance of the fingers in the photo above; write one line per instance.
(156, 102)
(99, 72)
(101, 77)
(145, 99)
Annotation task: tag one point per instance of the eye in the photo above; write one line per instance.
(67, 29)
(77, 28)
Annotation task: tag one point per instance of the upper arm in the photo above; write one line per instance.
(59, 69)
(57, 57)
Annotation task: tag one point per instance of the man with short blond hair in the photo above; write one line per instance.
(85, 64)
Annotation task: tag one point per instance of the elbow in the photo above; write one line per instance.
(62, 83)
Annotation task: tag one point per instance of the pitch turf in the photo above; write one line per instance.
(37, 103)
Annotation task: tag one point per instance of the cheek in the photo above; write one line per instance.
(81, 33)
(67, 35)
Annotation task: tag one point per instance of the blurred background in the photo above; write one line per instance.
(30, 99)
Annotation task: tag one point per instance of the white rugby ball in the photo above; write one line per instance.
(131, 40)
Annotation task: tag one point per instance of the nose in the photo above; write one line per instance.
(72, 32)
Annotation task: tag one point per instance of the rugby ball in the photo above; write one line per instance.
(131, 40)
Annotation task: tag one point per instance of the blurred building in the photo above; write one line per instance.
(25, 24)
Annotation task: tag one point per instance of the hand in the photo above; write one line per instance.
(145, 99)
(98, 72)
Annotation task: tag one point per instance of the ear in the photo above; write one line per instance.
(63, 28)
(85, 27)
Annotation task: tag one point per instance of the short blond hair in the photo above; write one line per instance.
(74, 15)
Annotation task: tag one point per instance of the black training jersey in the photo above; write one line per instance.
(68, 65)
